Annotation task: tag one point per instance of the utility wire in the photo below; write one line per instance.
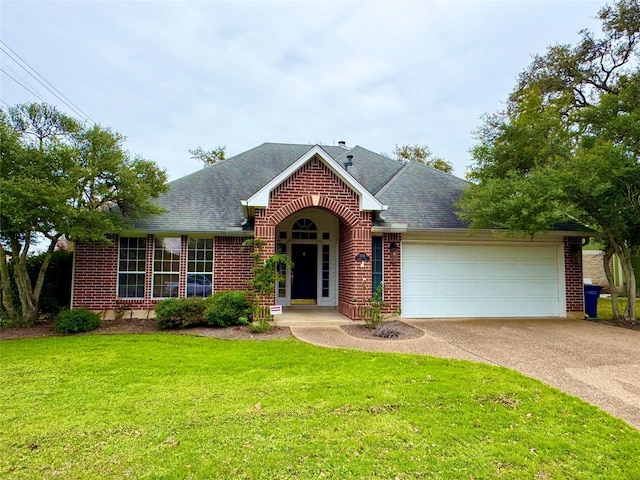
(22, 85)
(43, 81)
(16, 75)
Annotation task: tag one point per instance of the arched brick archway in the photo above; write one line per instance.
(354, 278)
(343, 213)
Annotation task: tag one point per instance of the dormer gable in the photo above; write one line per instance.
(367, 201)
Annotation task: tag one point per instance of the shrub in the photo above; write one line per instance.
(180, 312)
(261, 326)
(373, 315)
(225, 309)
(55, 295)
(76, 321)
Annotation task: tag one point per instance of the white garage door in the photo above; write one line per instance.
(480, 281)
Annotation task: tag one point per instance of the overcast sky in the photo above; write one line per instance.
(173, 75)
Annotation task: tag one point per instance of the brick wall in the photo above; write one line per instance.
(96, 273)
(391, 277)
(573, 277)
(593, 268)
(315, 185)
(232, 264)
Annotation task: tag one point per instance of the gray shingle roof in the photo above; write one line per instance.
(209, 200)
(422, 197)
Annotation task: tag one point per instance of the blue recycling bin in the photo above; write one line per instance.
(591, 295)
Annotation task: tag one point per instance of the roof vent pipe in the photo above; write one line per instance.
(342, 144)
(349, 162)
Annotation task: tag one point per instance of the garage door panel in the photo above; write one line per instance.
(480, 281)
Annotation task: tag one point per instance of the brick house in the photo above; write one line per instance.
(349, 219)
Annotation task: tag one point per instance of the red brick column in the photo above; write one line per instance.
(574, 287)
(391, 275)
(184, 251)
(95, 275)
(355, 276)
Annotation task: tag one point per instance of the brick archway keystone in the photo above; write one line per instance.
(313, 201)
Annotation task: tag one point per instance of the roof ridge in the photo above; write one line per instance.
(393, 179)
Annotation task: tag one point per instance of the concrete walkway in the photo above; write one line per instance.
(598, 363)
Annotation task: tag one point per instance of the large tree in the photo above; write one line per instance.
(209, 157)
(421, 154)
(566, 147)
(58, 178)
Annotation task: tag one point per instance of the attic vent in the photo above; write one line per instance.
(342, 144)
(315, 163)
(349, 162)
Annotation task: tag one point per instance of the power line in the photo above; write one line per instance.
(22, 85)
(43, 81)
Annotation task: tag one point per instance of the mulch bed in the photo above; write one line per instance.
(633, 325)
(405, 332)
(45, 329)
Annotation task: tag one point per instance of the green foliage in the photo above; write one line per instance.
(209, 157)
(152, 404)
(228, 308)
(180, 312)
(566, 147)
(422, 154)
(373, 311)
(60, 178)
(56, 289)
(76, 321)
(265, 273)
(260, 326)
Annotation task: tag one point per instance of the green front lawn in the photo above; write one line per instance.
(176, 407)
(605, 312)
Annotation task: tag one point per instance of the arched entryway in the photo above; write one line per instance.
(310, 238)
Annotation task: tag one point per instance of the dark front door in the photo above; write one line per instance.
(304, 273)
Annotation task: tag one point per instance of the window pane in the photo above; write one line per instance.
(200, 267)
(376, 262)
(131, 267)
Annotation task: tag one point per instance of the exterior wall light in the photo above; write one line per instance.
(362, 257)
(394, 252)
(576, 255)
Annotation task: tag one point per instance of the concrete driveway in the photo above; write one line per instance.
(598, 363)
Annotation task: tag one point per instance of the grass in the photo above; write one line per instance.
(175, 407)
(605, 312)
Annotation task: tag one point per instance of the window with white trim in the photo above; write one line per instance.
(131, 267)
(376, 262)
(304, 229)
(166, 267)
(200, 267)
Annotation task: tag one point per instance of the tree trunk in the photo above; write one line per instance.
(606, 260)
(627, 268)
(7, 297)
(28, 304)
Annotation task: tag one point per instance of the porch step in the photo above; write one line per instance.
(311, 316)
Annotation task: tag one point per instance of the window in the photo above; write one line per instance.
(325, 270)
(200, 267)
(166, 267)
(282, 271)
(304, 229)
(376, 262)
(131, 267)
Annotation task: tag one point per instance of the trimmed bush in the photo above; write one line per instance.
(225, 309)
(180, 312)
(76, 321)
